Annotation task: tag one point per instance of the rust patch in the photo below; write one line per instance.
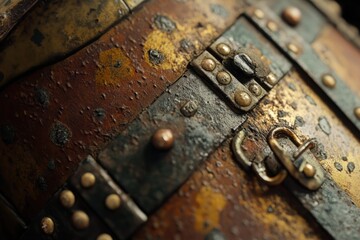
(233, 205)
(114, 67)
(93, 79)
(209, 206)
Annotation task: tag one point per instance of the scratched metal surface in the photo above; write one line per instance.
(221, 201)
(61, 113)
(307, 59)
(149, 175)
(11, 11)
(53, 30)
(221, 197)
(122, 221)
(62, 217)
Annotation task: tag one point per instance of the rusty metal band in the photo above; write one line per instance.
(90, 190)
(11, 12)
(332, 11)
(150, 175)
(303, 55)
(76, 106)
(331, 207)
(63, 28)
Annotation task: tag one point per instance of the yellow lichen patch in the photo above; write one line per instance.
(114, 67)
(208, 209)
(168, 45)
(273, 213)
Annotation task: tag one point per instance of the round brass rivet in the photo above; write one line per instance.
(67, 198)
(242, 98)
(80, 220)
(223, 78)
(259, 13)
(88, 180)
(309, 170)
(329, 81)
(272, 26)
(293, 48)
(271, 79)
(223, 49)
(208, 64)
(112, 201)
(255, 89)
(292, 15)
(104, 236)
(357, 112)
(163, 139)
(47, 225)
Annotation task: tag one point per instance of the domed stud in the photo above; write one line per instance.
(112, 202)
(329, 81)
(293, 48)
(67, 198)
(272, 26)
(271, 79)
(292, 16)
(163, 139)
(223, 49)
(309, 170)
(80, 220)
(47, 225)
(88, 180)
(255, 89)
(223, 78)
(208, 64)
(357, 112)
(242, 98)
(258, 13)
(104, 236)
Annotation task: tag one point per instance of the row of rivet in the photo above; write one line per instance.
(292, 16)
(241, 97)
(80, 220)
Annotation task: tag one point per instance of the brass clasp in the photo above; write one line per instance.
(291, 152)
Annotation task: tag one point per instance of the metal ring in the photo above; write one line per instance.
(260, 172)
(309, 144)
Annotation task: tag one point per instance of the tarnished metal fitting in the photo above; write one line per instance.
(242, 98)
(255, 89)
(112, 202)
(272, 26)
(163, 139)
(292, 15)
(301, 166)
(357, 112)
(67, 198)
(88, 180)
(223, 78)
(47, 225)
(329, 81)
(80, 220)
(223, 49)
(244, 63)
(208, 64)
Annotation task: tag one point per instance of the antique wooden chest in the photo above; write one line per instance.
(178, 119)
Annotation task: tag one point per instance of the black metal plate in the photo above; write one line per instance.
(122, 221)
(150, 176)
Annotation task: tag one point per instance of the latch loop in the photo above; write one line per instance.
(305, 169)
(300, 164)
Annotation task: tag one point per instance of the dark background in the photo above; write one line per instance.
(351, 11)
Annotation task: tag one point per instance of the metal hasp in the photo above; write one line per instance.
(301, 164)
(293, 154)
(242, 66)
